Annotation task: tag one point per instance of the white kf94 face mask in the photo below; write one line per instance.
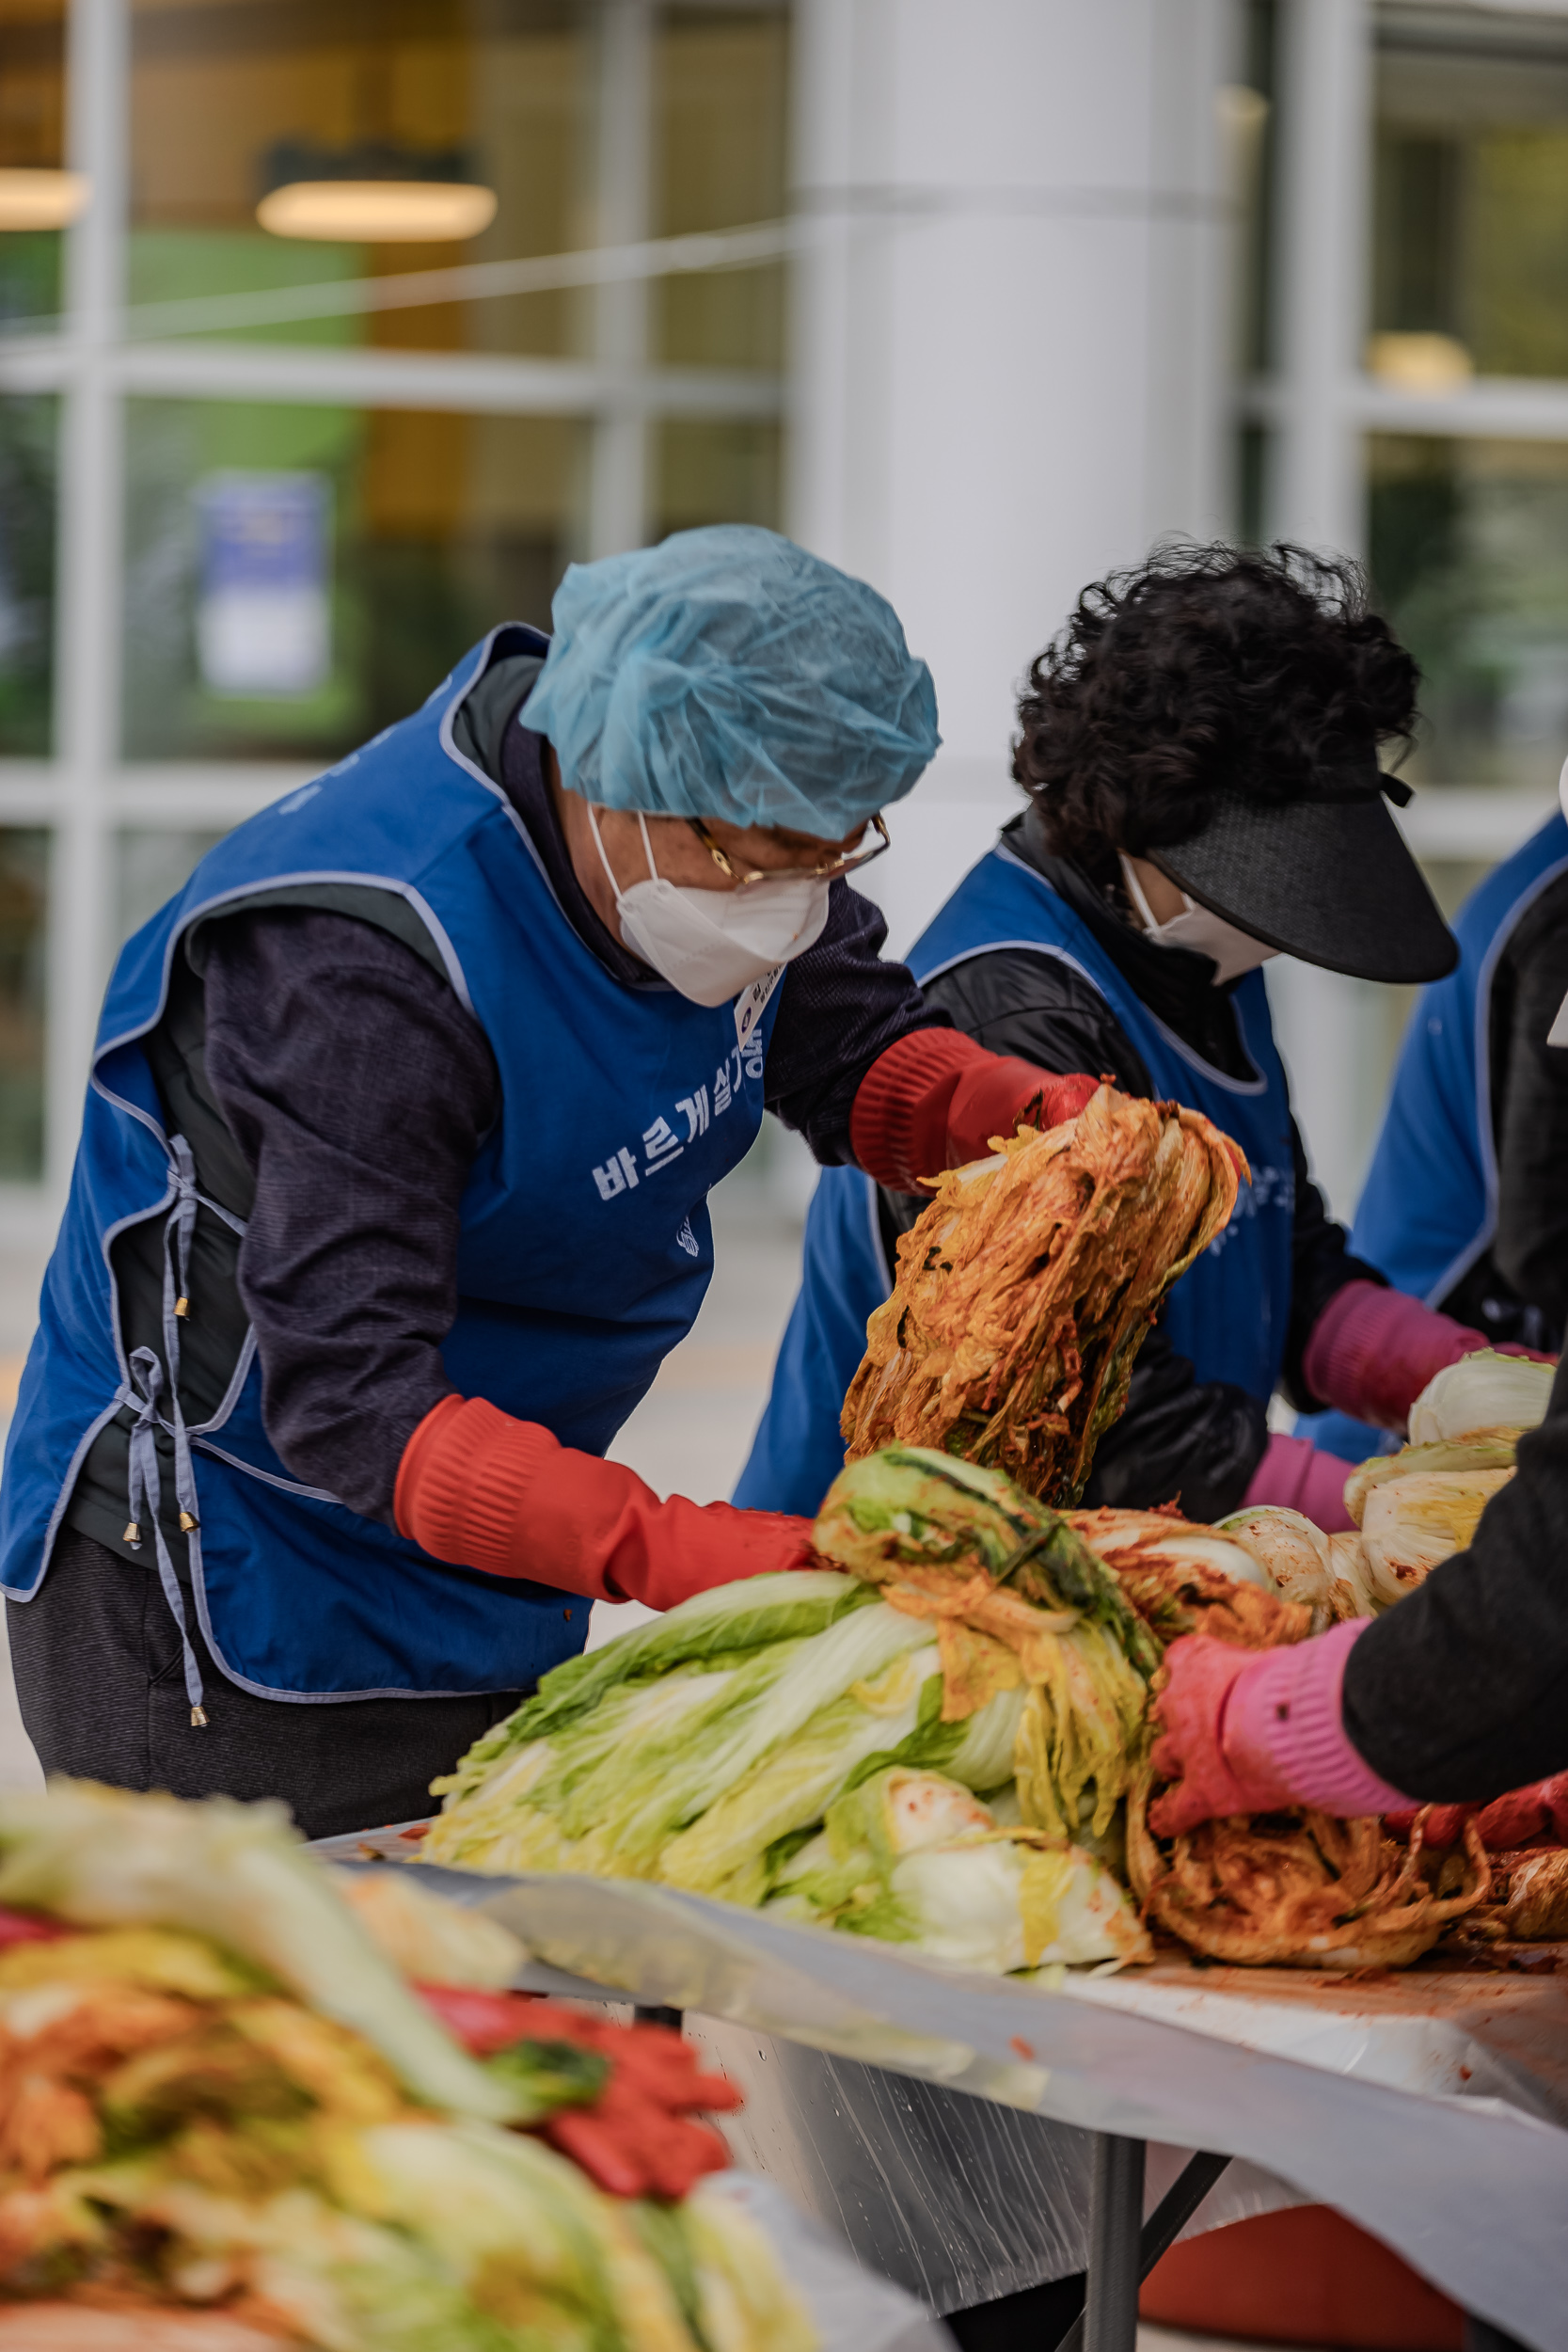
(711, 943)
(1232, 952)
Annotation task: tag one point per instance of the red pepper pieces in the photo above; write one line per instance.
(637, 2137)
(25, 1927)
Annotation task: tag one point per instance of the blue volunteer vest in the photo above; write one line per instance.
(1229, 1311)
(1430, 1206)
(585, 1245)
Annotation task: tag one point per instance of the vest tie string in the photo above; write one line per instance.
(146, 1496)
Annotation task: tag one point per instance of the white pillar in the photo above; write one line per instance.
(618, 487)
(1330, 1027)
(1009, 335)
(89, 569)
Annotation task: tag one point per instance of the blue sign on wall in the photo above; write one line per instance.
(263, 623)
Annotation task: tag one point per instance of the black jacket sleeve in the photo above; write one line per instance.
(840, 1006)
(1461, 1691)
(1320, 1264)
(1180, 1438)
(358, 1088)
(1529, 1108)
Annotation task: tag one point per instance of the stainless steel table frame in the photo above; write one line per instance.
(1123, 2245)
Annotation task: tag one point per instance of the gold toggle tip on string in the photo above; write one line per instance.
(199, 1718)
(182, 1308)
(187, 1524)
(132, 1533)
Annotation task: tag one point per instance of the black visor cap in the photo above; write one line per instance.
(1329, 879)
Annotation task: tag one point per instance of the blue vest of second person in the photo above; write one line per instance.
(1228, 1313)
(584, 1251)
(1430, 1205)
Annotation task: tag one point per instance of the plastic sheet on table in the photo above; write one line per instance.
(854, 2310)
(1430, 2109)
(955, 2198)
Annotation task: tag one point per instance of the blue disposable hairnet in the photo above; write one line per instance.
(726, 672)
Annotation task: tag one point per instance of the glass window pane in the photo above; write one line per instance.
(27, 447)
(152, 864)
(32, 138)
(1248, 128)
(24, 903)
(298, 577)
(231, 100)
(1251, 483)
(1469, 555)
(720, 81)
(1470, 239)
(715, 469)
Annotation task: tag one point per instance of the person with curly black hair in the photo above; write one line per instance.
(1200, 750)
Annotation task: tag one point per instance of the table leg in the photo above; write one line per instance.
(1166, 2224)
(1115, 2228)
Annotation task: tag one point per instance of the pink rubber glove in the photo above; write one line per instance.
(1248, 1731)
(1295, 1474)
(1372, 1351)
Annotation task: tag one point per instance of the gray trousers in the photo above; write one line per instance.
(101, 1689)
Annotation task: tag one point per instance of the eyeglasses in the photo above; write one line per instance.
(828, 871)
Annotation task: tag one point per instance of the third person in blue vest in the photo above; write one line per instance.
(1465, 1206)
(1199, 750)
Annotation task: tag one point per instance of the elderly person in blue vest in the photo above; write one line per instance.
(1199, 750)
(391, 1191)
(1464, 1207)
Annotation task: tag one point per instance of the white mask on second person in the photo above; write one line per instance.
(711, 943)
(1231, 951)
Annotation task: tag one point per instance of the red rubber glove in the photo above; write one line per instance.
(482, 1490)
(935, 1099)
(1518, 1818)
(1372, 1351)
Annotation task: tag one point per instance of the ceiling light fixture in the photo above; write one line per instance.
(1428, 365)
(378, 211)
(376, 191)
(43, 200)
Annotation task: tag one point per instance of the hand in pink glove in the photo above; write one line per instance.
(1190, 1752)
(1372, 1351)
(1247, 1731)
(1299, 1476)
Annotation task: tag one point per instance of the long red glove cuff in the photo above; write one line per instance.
(935, 1099)
(1539, 1810)
(482, 1490)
